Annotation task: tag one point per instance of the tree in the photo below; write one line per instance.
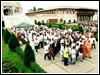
(40, 9)
(34, 8)
(43, 22)
(30, 10)
(29, 55)
(35, 21)
(6, 35)
(81, 29)
(60, 26)
(13, 42)
(39, 23)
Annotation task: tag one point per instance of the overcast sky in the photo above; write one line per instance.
(26, 5)
(46, 4)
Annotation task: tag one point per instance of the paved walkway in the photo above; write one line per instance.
(56, 66)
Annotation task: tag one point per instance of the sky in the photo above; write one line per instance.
(26, 5)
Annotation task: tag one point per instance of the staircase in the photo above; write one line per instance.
(12, 20)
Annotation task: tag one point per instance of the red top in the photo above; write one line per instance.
(51, 51)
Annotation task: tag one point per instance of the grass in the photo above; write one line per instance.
(74, 27)
(8, 55)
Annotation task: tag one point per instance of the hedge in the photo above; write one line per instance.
(19, 51)
(36, 68)
(29, 55)
(13, 42)
(6, 36)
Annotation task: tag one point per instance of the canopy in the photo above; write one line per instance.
(22, 25)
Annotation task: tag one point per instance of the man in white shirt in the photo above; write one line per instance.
(36, 42)
(46, 51)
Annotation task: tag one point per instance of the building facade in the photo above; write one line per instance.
(64, 15)
(10, 8)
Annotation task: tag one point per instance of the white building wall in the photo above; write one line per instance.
(45, 17)
(68, 17)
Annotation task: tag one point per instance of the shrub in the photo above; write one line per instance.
(35, 21)
(81, 29)
(13, 42)
(39, 23)
(19, 51)
(96, 35)
(60, 26)
(49, 25)
(29, 55)
(6, 36)
(36, 68)
(75, 28)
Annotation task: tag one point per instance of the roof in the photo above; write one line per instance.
(65, 7)
(22, 25)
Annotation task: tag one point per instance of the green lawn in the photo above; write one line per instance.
(74, 27)
(8, 55)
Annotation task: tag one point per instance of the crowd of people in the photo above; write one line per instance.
(72, 46)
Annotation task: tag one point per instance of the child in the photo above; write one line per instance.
(51, 53)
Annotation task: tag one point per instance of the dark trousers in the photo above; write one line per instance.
(52, 57)
(55, 51)
(77, 56)
(93, 45)
(36, 48)
(41, 44)
(65, 61)
(46, 55)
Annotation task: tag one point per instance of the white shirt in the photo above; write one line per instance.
(30, 37)
(36, 42)
(77, 48)
(73, 44)
(62, 41)
(69, 50)
(32, 44)
(73, 53)
(91, 39)
(46, 50)
(62, 50)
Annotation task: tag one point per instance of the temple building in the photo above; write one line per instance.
(10, 8)
(65, 14)
(12, 14)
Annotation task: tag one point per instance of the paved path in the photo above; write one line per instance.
(57, 66)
